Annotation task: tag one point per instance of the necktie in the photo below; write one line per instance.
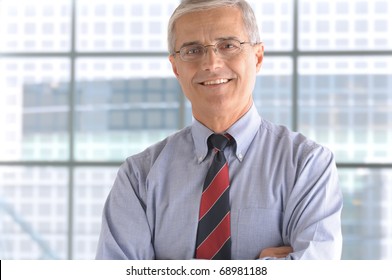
(213, 233)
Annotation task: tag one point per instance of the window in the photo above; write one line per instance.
(84, 84)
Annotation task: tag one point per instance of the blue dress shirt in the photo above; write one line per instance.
(284, 191)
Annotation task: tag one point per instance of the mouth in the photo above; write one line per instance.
(215, 82)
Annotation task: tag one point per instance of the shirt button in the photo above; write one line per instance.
(240, 156)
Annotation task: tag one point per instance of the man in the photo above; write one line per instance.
(278, 195)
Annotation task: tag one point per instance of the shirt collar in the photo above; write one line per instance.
(243, 131)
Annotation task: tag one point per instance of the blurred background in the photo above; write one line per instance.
(84, 84)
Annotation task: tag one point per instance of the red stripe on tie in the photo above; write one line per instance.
(215, 190)
(215, 241)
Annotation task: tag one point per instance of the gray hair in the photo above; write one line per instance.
(188, 6)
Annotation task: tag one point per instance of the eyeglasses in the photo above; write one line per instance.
(226, 48)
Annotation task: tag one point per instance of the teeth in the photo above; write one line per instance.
(216, 82)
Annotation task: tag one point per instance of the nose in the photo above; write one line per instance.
(211, 59)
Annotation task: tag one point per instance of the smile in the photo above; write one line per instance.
(215, 82)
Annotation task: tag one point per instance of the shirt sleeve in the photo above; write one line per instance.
(312, 219)
(125, 231)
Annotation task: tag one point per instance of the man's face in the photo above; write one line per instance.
(215, 84)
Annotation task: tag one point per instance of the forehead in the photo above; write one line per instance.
(207, 26)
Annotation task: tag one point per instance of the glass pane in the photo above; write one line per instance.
(33, 220)
(33, 108)
(345, 103)
(42, 25)
(272, 94)
(123, 25)
(275, 21)
(366, 216)
(345, 25)
(123, 106)
(91, 187)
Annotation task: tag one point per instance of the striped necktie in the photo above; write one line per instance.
(213, 233)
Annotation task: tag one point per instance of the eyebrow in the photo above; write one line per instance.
(190, 43)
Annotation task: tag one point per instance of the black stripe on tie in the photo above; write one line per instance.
(224, 252)
(213, 217)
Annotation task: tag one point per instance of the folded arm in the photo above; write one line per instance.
(312, 222)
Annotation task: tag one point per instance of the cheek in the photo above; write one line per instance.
(185, 77)
(249, 70)
(246, 76)
(244, 66)
(185, 81)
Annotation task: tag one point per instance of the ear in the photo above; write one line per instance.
(172, 60)
(259, 52)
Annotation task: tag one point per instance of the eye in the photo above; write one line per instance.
(193, 50)
(228, 46)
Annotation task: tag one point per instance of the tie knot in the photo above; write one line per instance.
(219, 141)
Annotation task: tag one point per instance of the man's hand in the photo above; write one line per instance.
(276, 252)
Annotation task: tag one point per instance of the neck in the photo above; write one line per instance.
(218, 122)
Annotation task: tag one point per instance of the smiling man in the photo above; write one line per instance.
(231, 185)
(218, 86)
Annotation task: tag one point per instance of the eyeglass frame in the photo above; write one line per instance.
(215, 49)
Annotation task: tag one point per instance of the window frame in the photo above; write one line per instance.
(71, 164)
